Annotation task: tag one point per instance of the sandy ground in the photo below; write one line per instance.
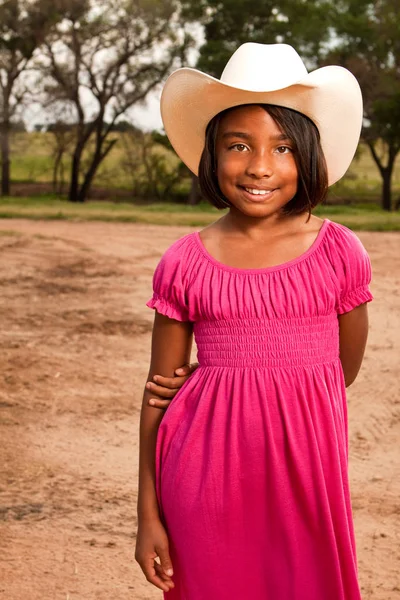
(74, 351)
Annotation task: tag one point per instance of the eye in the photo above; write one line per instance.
(283, 149)
(238, 147)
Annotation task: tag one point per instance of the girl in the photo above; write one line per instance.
(243, 483)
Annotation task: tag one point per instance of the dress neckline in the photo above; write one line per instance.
(285, 265)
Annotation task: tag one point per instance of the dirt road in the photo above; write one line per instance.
(74, 351)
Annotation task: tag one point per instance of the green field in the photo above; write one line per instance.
(367, 217)
(31, 161)
(354, 201)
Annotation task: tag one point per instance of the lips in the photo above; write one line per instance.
(257, 192)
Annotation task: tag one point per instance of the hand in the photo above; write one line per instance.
(152, 542)
(167, 387)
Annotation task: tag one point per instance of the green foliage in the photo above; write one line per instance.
(369, 29)
(150, 165)
(368, 36)
(229, 23)
(23, 25)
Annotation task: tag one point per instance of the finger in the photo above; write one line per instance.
(187, 369)
(157, 403)
(178, 381)
(160, 572)
(153, 577)
(165, 559)
(172, 383)
(160, 391)
(184, 369)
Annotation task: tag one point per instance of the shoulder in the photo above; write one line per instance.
(346, 249)
(178, 249)
(170, 281)
(176, 261)
(351, 266)
(345, 238)
(349, 257)
(180, 245)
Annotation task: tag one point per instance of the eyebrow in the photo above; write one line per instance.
(246, 136)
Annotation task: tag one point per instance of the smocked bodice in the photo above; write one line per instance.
(267, 343)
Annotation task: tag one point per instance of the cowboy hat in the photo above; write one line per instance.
(265, 74)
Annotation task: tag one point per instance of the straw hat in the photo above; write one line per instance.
(265, 74)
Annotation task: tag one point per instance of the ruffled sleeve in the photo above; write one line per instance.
(169, 288)
(354, 271)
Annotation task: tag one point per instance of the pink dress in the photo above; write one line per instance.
(252, 453)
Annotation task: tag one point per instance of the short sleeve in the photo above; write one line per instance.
(355, 272)
(169, 290)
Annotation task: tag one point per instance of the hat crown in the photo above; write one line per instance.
(263, 67)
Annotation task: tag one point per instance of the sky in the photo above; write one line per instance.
(146, 116)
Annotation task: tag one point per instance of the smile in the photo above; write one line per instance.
(257, 192)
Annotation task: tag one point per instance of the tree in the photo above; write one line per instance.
(112, 53)
(230, 23)
(368, 35)
(23, 25)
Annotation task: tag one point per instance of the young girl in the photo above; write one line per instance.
(243, 485)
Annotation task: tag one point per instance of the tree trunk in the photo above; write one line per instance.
(74, 184)
(87, 182)
(194, 194)
(387, 189)
(5, 159)
(386, 173)
(98, 157)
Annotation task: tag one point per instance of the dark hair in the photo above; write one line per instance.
(312, 183)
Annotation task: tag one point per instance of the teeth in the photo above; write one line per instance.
(258, 192)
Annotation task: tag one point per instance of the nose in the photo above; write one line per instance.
(259, 165)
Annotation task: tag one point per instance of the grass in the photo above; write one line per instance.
(159, 214)
(31, 161)
(362, 216)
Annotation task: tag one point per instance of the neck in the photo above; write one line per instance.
(276, 223)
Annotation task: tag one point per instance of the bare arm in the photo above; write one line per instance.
(171, 346)
(353, 334)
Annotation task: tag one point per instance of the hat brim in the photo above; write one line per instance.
(329, 96)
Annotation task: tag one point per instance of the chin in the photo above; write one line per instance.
(258, 210)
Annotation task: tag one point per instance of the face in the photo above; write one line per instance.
(256, 169)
